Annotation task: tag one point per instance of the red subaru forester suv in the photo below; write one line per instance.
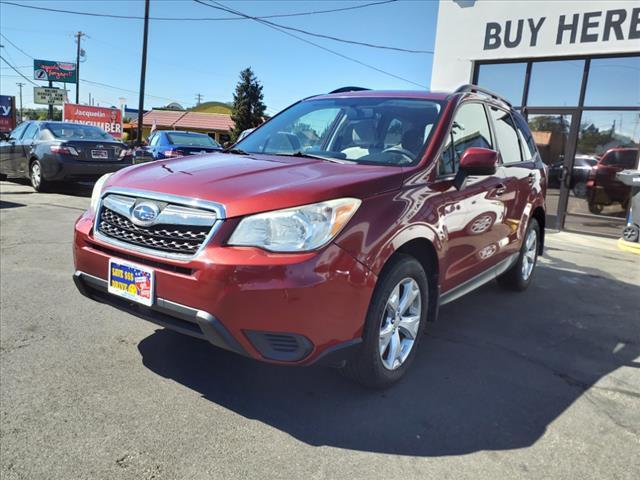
(329, 235)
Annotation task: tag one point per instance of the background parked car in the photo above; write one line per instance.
(603, 188)
(176, 143)
(47, 152)
(582, 165)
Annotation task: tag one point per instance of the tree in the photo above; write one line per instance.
(248, 108)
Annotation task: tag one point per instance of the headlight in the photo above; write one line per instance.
(298, 229)
(97, 191)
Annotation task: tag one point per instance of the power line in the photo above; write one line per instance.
(16, 47)
(346, 57)
(18, 72)
(312, 34)
(129, 17)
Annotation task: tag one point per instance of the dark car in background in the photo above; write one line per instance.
(46, 152)
(580, 174)
(176, 143)
(603, 188)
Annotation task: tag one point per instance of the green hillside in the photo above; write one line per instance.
(212, 107)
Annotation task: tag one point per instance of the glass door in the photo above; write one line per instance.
(554, 132)
(598, 202)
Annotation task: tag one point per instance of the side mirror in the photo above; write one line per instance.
(476, 161)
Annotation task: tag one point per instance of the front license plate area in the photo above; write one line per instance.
(131, 281)
(99, 154)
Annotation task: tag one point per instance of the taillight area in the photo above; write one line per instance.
(64, 150)
(173, 153)
(124, 152)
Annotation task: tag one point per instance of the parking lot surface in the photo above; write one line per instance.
(541, 384)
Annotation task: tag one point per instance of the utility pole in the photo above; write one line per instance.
(143, 71)
(78, 36)
(20, 85)
(198, 99)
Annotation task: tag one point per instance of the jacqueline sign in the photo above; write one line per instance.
(7, 113)
(108, 119)
(49, 71)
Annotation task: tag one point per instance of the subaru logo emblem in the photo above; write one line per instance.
(145, 214)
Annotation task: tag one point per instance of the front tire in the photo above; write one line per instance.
(519, 276)
(394, 325)
(38, 182)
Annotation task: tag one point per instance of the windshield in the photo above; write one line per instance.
(192, 139)
(386, 131)
(78, 131)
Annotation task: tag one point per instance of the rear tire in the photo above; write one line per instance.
(3, 177)
(519, 276)
(38, 182)
(394, 325)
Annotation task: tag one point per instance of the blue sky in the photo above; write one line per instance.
(190, 57)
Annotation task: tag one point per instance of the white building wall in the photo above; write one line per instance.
(470, 30)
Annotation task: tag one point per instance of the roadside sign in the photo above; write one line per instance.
(49, 71)
(48, 96)
(7, 113)
(108, 119)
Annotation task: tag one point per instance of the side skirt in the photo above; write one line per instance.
(479, 280)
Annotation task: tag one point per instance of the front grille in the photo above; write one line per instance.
(181, 239)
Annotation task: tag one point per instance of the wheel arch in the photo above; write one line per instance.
(540, 216)
(424, 251)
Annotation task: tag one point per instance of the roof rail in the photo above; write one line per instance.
(470, 88)
(348, 89)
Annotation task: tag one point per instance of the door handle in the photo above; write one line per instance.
(531, 178)
(500, 189)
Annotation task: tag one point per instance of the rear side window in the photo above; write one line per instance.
(527, 142)
(622, 158)
(507, 136)
(154, 140)
(470, 128)
(30, 132)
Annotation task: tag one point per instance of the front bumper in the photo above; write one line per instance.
(279, 308)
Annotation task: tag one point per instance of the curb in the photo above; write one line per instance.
(632, 247)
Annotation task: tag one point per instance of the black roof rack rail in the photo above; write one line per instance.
(470, 88)
(348, 89)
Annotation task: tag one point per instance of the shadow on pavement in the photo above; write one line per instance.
(492, 374)
(4, 204)
(73, 189)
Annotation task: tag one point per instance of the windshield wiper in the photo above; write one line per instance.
(301, 154)
(235, 151)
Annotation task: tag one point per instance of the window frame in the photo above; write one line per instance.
(513, 120)
(35, 133)
(441, 150)
(22, 128)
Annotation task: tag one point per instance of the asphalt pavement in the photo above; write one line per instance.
(540, 384)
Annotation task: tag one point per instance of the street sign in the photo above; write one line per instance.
(108, 119)
(48, 96)
(48, 71)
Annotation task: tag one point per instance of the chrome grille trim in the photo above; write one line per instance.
(180, 211)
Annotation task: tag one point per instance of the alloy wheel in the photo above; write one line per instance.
(36, 175)
(530, 253)
(400, 323)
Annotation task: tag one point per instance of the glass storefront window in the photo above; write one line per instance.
(608, 142)
(505, 79)
(614, 82)
(555, 83)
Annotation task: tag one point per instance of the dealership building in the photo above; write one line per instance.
(573, 70)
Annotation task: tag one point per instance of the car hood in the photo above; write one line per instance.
(247, 184)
